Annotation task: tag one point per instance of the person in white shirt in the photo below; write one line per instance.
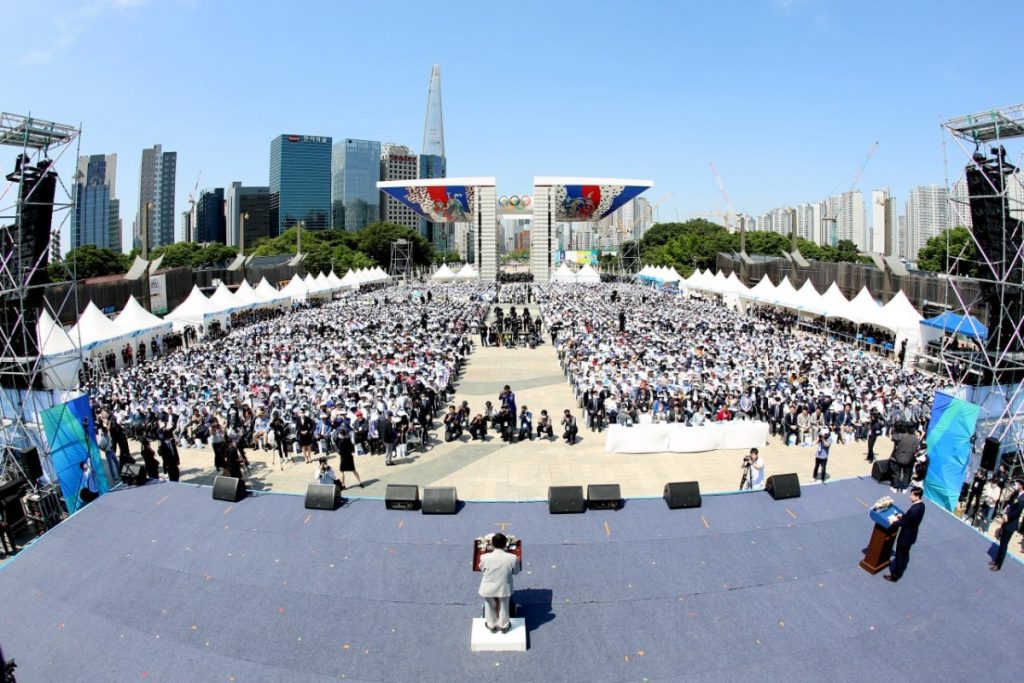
(325, 475)
(756, 469)
(498, 567)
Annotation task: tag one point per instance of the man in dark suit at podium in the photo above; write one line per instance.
(907, 523)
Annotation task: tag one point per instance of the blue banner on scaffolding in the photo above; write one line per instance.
(71, 433)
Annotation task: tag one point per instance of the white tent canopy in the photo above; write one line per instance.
(834, 303)
(296, 289)
(763, 291)
(334, 279)
(807, 299)
(588, 275)
(95, 330)
(467, 272)
(442, 274)
(863, 308)
(195, 310)
(563, 274)
(350, 281)
(223, 300)
(134, 317)
(61, 358)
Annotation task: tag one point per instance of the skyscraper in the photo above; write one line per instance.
(254, 201)
(300, 182)
(210, 223)
(850, 220)
(156, 198)
(397, 162)
(355, 170)
(927, 216)
(97, 217)
(433, 163)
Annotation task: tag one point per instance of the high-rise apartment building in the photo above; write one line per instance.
(927, 215)
(156, 199)
(97, 218)
(300, 182)
(960, 204)
(851, 223)
(210, 225)
(883, 223)
(397, 162)
(355, 170)
(252, 202)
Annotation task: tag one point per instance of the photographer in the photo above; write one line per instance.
(821, 454)
(325, 475)
(571, 430)
(544, 425)
(525, 424)
(756, 464)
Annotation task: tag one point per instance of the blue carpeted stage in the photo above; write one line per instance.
(162, 583)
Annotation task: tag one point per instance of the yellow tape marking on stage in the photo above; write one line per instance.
(791, 514)
(401, 523)
(862, 502)
(229, 509)
(306, 520)
(706, 525)
(160, 502)
(607, 529)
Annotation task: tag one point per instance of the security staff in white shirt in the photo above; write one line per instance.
(498, 567)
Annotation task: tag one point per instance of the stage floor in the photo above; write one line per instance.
(161, 583)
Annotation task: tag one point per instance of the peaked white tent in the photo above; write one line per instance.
(324, 283)
(61, 358)
(134, 317)
(296, 289)
(808, 299)
(224, 300)
(834, 303)
(196, 310)
(350, 281)
(563, 274)
(380, 275)
(588, 275)
(269, 292)
(443, 274)
(763, 291)
(334, 279)
(95, 331)
(466, 273)
(863, 307)
(900, 316)
(785, 295)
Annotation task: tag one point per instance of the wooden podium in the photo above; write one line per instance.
(883, 536)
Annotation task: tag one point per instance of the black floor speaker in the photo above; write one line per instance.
(402, 497)
(133, 475)
(565, 499)
(881, 471)
(322, 497)
(604, 496)
(440, 500)
(229, 489)
(780, 486)
(990, 454)
(682, 494)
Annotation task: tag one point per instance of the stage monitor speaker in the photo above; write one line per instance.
(780, 486)
(604, 496)
(33, 467)
(881, 471)
(133, 475)
(230, 489)
(402, 496)
(682, 494)
(566, 499)
(322, 497)
(990, 454)
(440, 500)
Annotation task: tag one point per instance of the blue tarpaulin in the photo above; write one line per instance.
(950, 322)
(950, 430)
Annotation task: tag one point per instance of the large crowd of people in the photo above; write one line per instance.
(635, 355)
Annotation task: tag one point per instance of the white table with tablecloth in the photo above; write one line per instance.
(678, 438)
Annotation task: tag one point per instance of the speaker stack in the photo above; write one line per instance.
(682, 494)
(230, 489)
(990, 454)
(604, 497)
(881, 470)
(322, 497)
(402, 497)
(566, 500)
(781, 486)
(440, 500)
(133, 475)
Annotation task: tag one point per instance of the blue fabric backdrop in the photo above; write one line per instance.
(950, 431)
(70, 444)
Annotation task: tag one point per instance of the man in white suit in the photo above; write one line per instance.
(498, 567)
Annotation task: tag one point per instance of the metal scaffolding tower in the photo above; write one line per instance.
(991, 372)
(400, 268)
(34, 205)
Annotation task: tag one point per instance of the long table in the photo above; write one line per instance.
(677, 438)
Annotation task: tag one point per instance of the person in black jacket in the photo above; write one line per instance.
(904, 448)
(874, 431)
(907, 524)
(1011, 522)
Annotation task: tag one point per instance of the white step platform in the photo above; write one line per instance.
(483, 640)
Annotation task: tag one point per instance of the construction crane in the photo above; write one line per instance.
(729, 214)
(834, 219)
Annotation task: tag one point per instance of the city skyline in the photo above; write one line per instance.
(783, 125)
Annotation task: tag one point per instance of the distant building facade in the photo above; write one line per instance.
(210, 225)
(397, 162)
(355, 170)
(157, 177)
(97, 218)
(300, 182)
(252, 201)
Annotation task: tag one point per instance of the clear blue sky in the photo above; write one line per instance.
(785, 96)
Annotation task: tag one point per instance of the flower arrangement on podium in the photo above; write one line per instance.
(883, 503)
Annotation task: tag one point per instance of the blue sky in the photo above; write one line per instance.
(784, 96)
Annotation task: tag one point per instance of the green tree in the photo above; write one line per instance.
(952, 250)
(212, 253)
(177, 255)
(767, 243)
(446, 257)
(375, 240)
(846, 252)
(88, 261)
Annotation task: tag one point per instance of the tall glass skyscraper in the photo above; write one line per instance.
(97, 211)
(432, 160)
(354, 175)
(211, 225)
(300, 182)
